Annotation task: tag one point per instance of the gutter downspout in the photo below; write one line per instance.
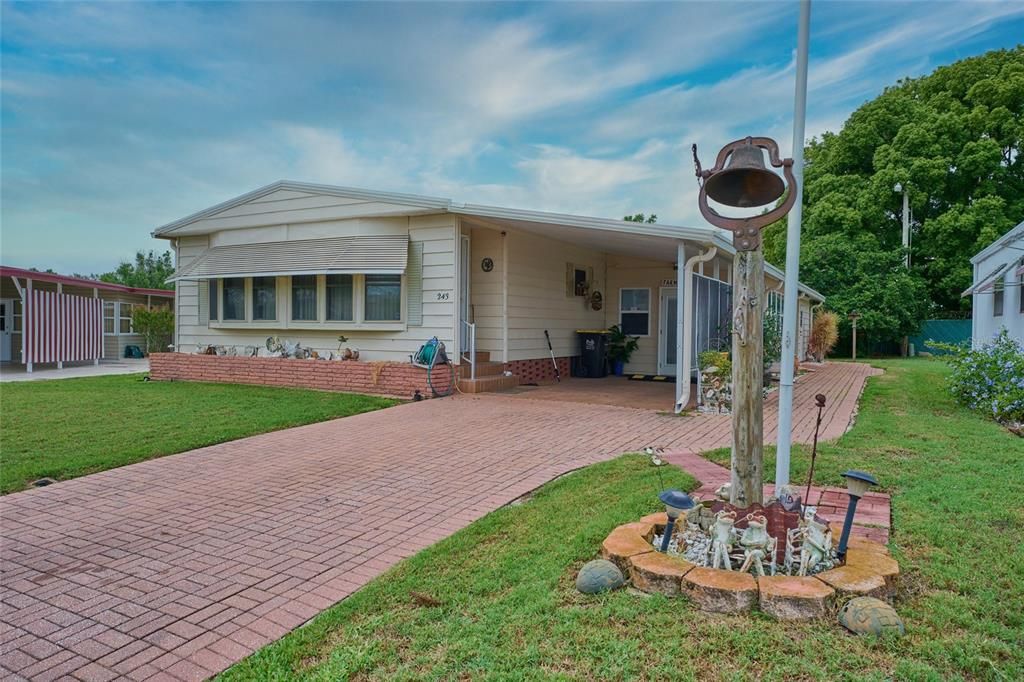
(685, 349)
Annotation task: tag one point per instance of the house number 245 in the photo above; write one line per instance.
(442, 295)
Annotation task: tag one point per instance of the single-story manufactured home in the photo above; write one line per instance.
(389, 271)
(997, 290)
(51, 319)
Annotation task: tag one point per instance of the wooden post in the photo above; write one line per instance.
(747, 378)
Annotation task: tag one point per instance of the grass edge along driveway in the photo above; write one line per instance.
(501, 603)
(66, 428)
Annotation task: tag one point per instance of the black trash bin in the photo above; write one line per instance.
(593, 361)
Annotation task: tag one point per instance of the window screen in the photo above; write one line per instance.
(635, 311)
(339, 298)
(304, 298)
(233, 289)
(383, 298)
(264, 298)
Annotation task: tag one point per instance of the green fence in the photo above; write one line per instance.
(946, 331)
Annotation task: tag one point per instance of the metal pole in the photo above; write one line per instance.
(906, 226)
(789, 311)
(854, 338)
(844, 539)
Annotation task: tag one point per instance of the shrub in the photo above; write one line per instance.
(990, 378)
(824, 335)
(717, 359)
(156, 326)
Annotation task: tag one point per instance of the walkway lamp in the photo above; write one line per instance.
(676, 502)
(857, 483)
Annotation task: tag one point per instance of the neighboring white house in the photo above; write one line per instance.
(389, 271)
(998, 288)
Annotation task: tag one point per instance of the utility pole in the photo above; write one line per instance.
(854, 316)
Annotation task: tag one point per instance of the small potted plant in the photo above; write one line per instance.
(620, 347)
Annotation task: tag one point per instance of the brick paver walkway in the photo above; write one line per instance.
(177, 567)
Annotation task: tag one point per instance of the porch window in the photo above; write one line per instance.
(383, 298)
(125, 318)
(998, 291)
(233, 291)
(304, 298)
(109, 321)
(339, 298)
(635, 311)
(264, 298)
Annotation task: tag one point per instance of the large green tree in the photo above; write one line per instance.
(954, 139)
(148, 271)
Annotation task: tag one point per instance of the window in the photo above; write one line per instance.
(998, 291)
(383, 298)
(339, 298)
(125, 318)
(304, 298)
(264, 298)
(213, 300)
(233, 289)
(109, 326)
(635, 311)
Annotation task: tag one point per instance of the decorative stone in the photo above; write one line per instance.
(794, 598)
(874, 562)
(657, 572)
(599, 575)
(626, 541)
(721, 591)
(870, 616)
(858, 581)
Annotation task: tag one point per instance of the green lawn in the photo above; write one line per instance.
(71, 427)
(508, 609)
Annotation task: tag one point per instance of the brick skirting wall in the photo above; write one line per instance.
(399, 379)
(539, 369)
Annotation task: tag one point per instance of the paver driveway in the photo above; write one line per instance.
(178, 567)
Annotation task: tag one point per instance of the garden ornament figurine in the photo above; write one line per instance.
(817, 544)
(756, 544)
(722, 541)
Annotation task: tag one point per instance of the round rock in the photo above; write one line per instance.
(599, 575)
(870, 616)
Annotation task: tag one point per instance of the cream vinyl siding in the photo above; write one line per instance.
(537, 298)
(432, 235)
(626, 272)
(487, 306)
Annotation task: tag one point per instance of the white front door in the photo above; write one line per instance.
(668, 331)
(6, 328)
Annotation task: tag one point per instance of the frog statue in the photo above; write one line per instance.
(817, 544)
(757, 544)
(722, 539)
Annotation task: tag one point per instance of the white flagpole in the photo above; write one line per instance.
(789, 310)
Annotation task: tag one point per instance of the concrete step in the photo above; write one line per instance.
(483, 369)
(488, 384)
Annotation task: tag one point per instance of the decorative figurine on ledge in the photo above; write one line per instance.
(757, 544)
(721, 545)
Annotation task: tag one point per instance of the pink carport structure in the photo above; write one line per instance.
(65, 319)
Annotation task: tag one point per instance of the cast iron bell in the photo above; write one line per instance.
(745, 181)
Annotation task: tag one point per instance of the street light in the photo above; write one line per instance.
(857, 483)
(676, 502)
(854, 316)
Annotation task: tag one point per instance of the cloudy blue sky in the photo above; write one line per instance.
(119, 117)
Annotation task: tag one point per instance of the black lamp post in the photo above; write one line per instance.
(857, 483)
(676, 502)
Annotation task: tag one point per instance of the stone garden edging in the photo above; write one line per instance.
(869, 571)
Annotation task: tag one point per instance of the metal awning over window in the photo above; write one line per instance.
(986, 282)
(377, 255)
